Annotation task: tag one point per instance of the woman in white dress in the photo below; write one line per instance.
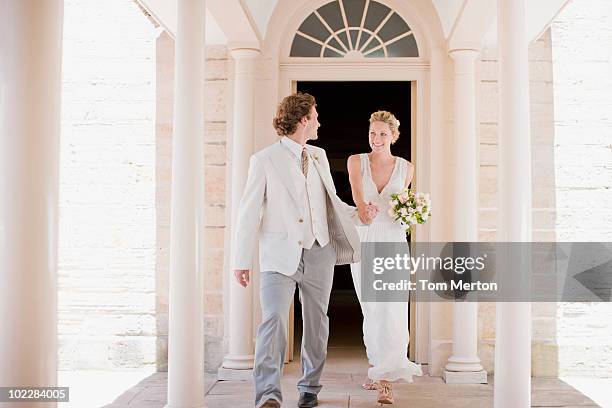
(374, 177)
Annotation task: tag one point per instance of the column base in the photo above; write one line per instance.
(236, 367)
(465, 377)
(233, 374)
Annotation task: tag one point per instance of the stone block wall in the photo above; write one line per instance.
(582, 71)
(543, 182)
(570, 69)
(107, 246)
(542, 138)
(116, 151)
(581, 48)
(215, 159)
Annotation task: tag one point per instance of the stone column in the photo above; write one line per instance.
(238, 362)
(513, 324)
(464, 364)
(186, 308)
(30, 88)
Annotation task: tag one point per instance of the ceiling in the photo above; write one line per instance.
(462, 21)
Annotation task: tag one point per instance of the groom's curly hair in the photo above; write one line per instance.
(290, 111)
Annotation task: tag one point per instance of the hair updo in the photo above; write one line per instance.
(389, 119)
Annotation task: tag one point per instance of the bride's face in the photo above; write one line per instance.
(380, 136)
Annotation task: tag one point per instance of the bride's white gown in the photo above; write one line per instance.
(385, 324)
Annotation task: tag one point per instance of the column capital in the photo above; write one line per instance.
(464, 59)
(244, 61)
(244, 52)
(467, 54)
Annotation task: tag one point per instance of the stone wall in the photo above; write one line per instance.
(543, 188)
(116, 151)
(581, 40)
(571, 132)
(582, 70)
(215, 159)
(107, 248)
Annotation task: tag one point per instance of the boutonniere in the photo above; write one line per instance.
(314, 157)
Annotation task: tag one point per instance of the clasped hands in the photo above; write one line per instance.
(367, 212)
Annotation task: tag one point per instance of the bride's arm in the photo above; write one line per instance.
(409, 174)
(354, 169)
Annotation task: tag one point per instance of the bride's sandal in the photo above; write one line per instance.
(385, 393)
(370, 384)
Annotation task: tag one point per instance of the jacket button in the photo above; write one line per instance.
(301, 220)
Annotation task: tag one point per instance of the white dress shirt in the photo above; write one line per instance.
(295, 148)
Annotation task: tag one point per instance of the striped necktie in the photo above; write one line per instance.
(304, 162)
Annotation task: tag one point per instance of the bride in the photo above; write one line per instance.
(374, 177)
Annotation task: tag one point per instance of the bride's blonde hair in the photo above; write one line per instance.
(389, 119)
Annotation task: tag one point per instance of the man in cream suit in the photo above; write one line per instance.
(291, 208)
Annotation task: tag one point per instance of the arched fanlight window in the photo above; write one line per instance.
(354, 28)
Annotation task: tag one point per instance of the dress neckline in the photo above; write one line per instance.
(390, 177)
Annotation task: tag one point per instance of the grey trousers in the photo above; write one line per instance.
(314, 278)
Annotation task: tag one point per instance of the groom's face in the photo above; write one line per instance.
(312, 124)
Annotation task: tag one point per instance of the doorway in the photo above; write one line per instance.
(344, 111)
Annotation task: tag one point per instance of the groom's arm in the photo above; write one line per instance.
(248, 218)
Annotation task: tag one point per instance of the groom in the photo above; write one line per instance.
(290, 206)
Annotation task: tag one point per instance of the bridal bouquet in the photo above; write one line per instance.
(410, 208)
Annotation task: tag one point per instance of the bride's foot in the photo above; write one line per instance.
(385, 393)
(369, 384)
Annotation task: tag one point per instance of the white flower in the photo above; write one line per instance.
(410, 208)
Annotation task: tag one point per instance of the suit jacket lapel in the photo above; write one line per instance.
(323, 175)
(286, 169)
(343, 234)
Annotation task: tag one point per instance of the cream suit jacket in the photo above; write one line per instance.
(271, 213)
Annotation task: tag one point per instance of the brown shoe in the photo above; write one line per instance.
(271, 403)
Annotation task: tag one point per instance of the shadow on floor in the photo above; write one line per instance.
(341, 380)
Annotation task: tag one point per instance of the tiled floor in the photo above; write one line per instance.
(344, 372)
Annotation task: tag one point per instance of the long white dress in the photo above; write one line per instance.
(385, 324)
